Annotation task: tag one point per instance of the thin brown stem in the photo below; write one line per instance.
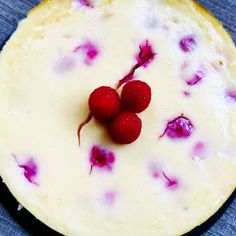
(91, 169)
(86, 121)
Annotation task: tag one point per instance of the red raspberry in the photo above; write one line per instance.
(104, 103)
(125, 128)
(136, 96)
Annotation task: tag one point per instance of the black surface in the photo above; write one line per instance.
(22, 223)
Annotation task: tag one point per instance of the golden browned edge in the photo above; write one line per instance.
(217, 23)
(205, 13)
(214, 21)
(36, 8)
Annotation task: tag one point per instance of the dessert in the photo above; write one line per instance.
(181, 168)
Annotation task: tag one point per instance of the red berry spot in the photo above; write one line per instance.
(101, 158)
(188, 43)
(155, 170)
(184, 65)
(158, 174)
(170, 182)
(85, 3)
(199, 151)
(125, 128)
(90, 52)
(104, 103)
(110, 197)
(186, 93)
(180, 127)
(30, 169)
(196, 78)
(231, 95)
(136, 96)
(145, 55)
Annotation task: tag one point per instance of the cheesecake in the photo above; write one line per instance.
(182, 167)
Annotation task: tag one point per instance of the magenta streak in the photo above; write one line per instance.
(186, 93)
(196, 78)
(90, 52)
(143, 58)
(231, 94)
(158, 173)
(86, 3)
(128, 77)
(170, 182)
(30, 169)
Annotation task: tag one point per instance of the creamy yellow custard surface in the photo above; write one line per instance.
(183, 166)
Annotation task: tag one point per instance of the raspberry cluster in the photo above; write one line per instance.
(119, 112)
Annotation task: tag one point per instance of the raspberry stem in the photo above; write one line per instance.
(86, 121)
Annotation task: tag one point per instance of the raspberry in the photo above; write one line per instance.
(125, 128)
(104, 103)
(136, 96)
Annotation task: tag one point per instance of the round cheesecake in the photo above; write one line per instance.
(180, 170)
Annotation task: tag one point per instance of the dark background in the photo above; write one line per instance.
(21, 223)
